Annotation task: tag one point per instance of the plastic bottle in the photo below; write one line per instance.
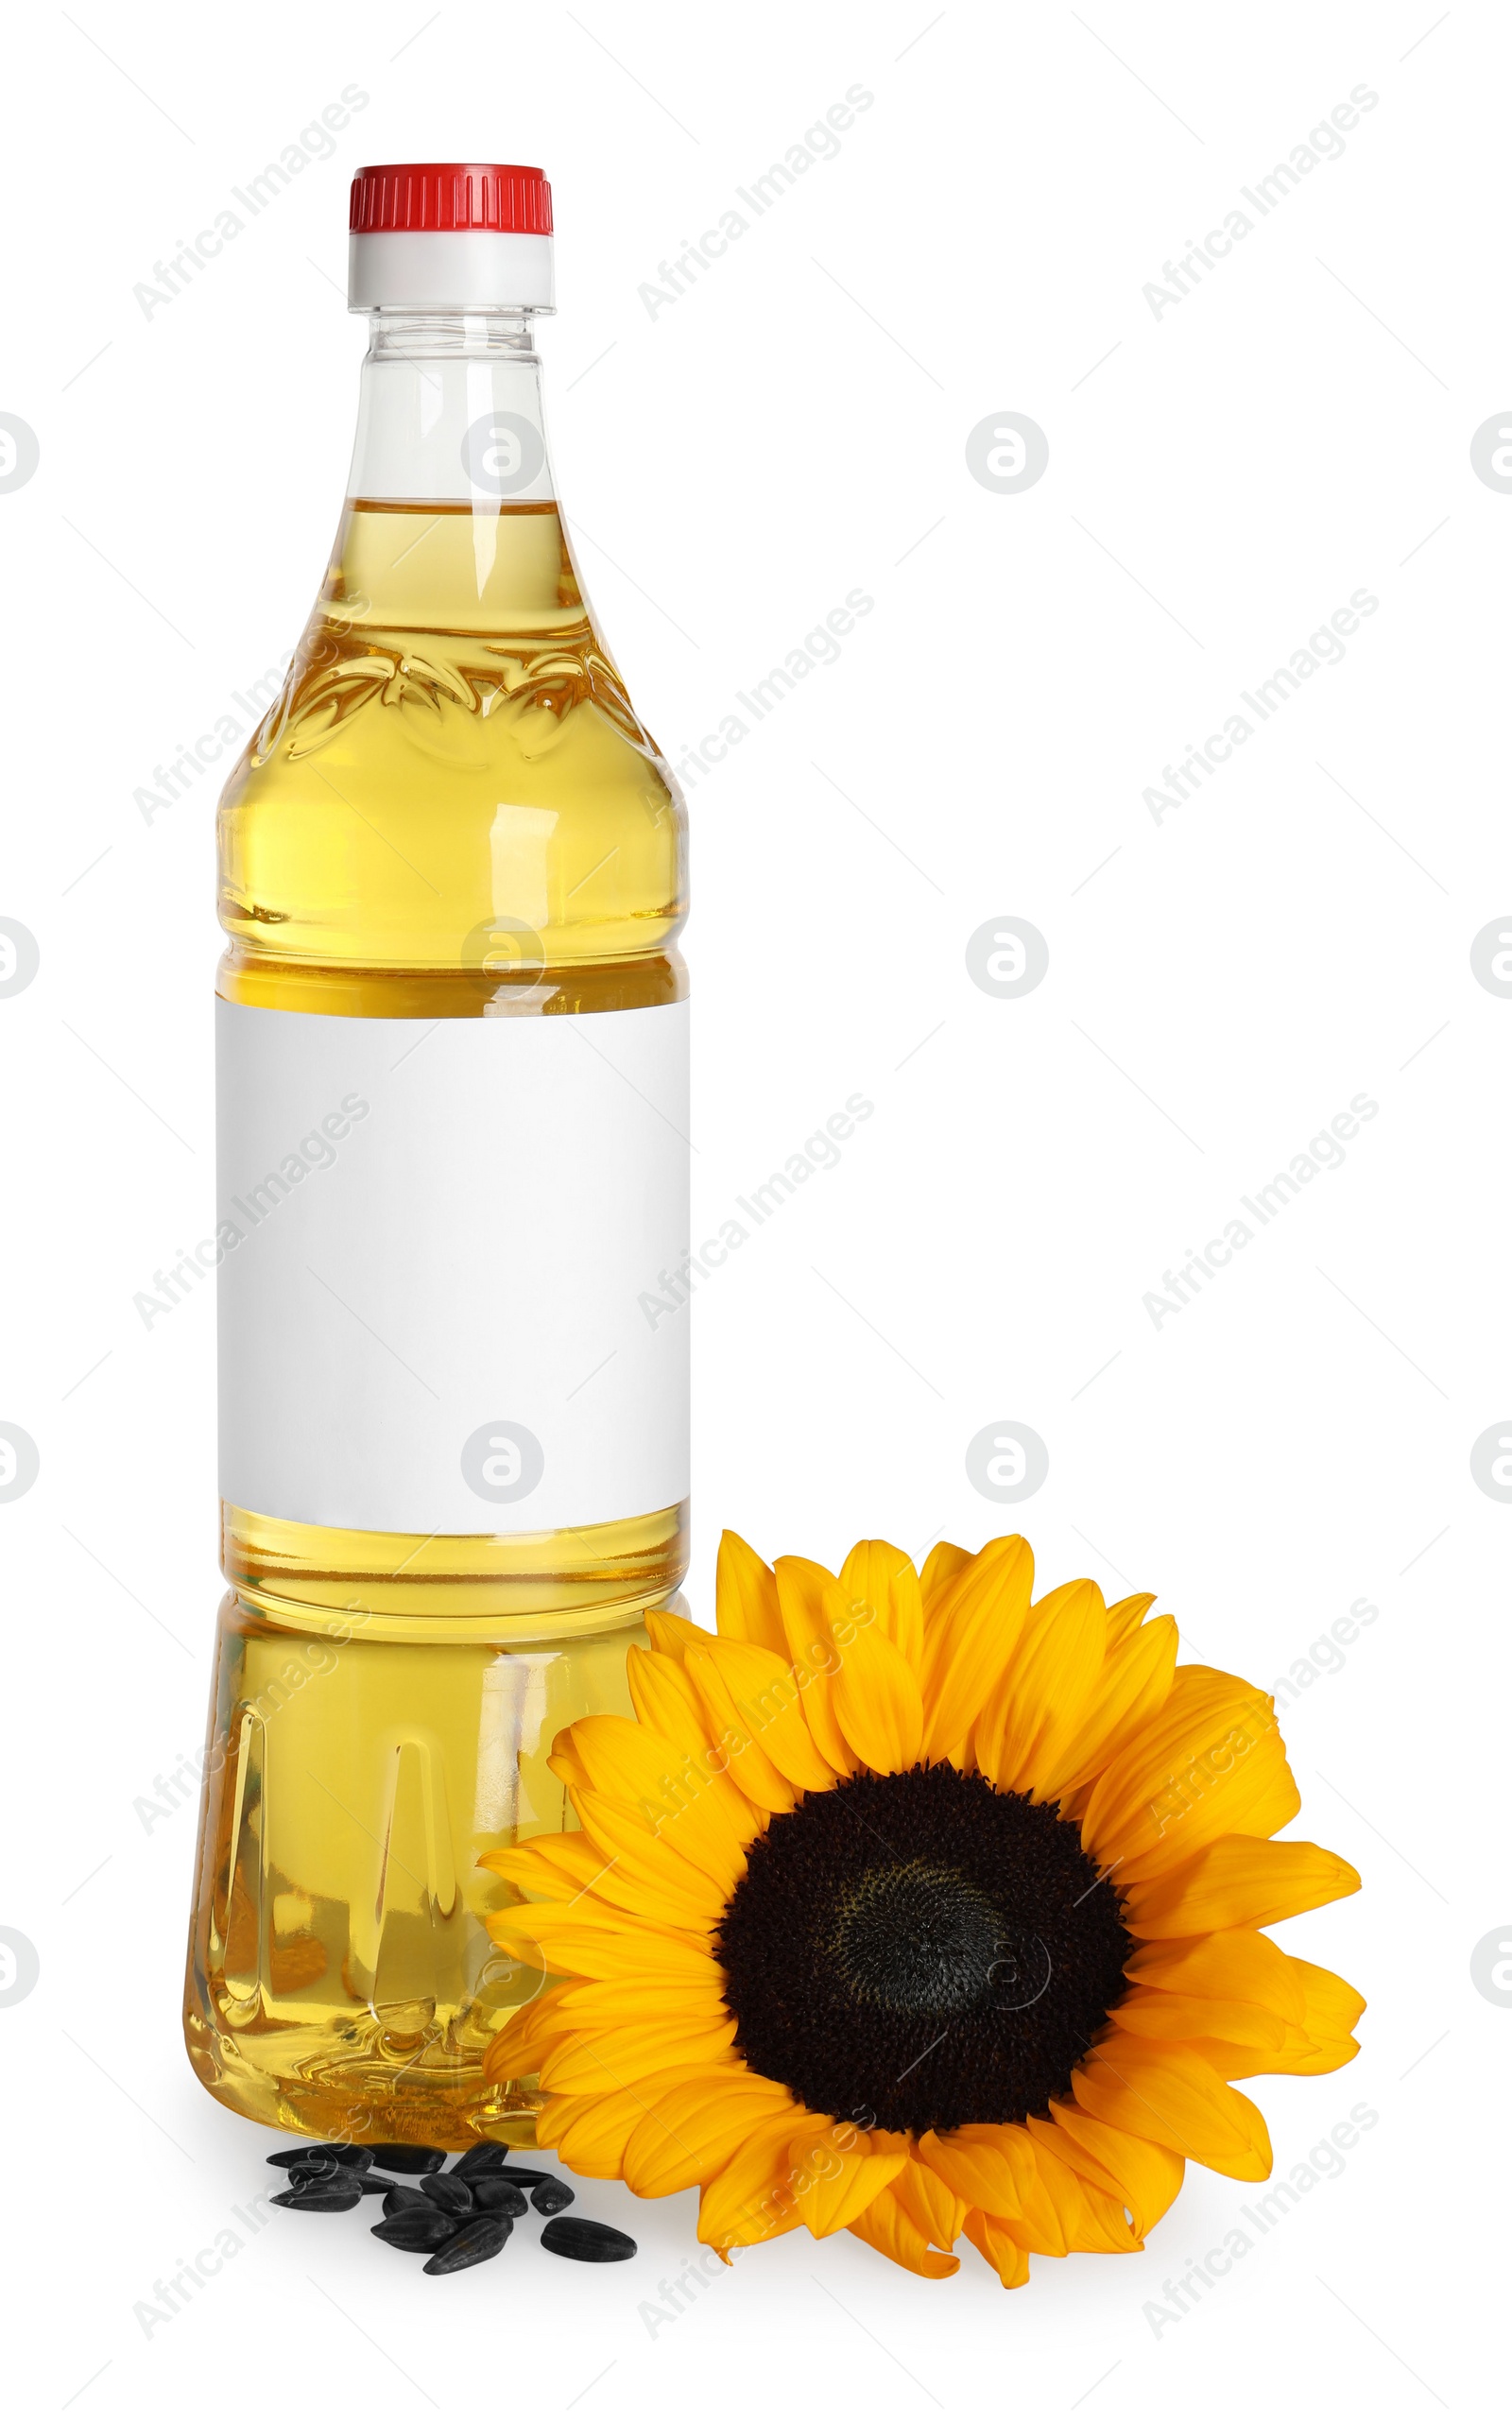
(452, 1192)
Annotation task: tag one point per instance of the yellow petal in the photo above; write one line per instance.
(886, 2226)
(567, 1768)
(609, 2057)
(1042, 2216)
(688, 2133)
(1236, 1965)
(1210, 1762)
(1047, 2138)
(1087, 2222)
(1183, 2018)
(876, 1696)
(1146, 2177)
(980, 2165)
(738, 1743)
(1125, 1618)
(592, 2131)
(934, 2208)
(882, 1577)
(1319, 2042)
(1168, 2093)
(1110, 2223)
(770, 1703)
(557, 1866)
(1046, 1690)
(580, 1874)
(1133, 1686)
(1237, 1880)
(650, 1774)
(753, 2196)
(589, 2131)
(642, 1958)
(677, 1798)
(631, 2000)
(745, 1597)
(672, 1635)
(969, 1637)
(517, 2049)
(685, 1893)
(666, 1700)
(569, 1942)
(992, 2241)
(809, 1597)
(1299, 2056)
(1331, 2007)
(839, 2180)
(942, 1565)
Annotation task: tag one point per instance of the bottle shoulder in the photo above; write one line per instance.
(421, 783)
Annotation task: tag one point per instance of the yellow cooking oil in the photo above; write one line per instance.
(451, 812)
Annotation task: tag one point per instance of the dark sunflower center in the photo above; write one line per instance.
(915, 1937)
(921, 1951)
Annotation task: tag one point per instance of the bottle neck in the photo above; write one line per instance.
(450, 411)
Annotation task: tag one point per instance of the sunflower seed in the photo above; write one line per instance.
(587, 2241)
(413, 2232)
(368, 2183)
(406, 2199)
(320, 2197)
(316, 2167)
(411, 2160)
(494, 2190)
(480, 2156)
(477, 2242)
(552, 2195)
(336, 2156)
(447, 2191)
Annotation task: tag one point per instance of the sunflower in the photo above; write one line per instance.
(913, 1906)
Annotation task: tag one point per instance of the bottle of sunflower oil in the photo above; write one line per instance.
(452, 1162)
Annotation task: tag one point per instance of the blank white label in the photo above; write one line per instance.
(437, 1236)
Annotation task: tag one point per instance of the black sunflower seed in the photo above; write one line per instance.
(406, 2199)
(336, 2156)
(480, 2156)
(368, 2183)
(411, 2161)
(414, 2232)
(300, 2172)
(494, 2190)
(449, 2192)
(552, 2195)
(320, 2197)
(477, 2242)
(516, 2174)
(587, 2241)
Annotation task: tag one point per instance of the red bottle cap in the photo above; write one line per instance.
(450, 196)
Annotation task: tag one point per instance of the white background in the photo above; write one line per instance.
(1220, 985)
